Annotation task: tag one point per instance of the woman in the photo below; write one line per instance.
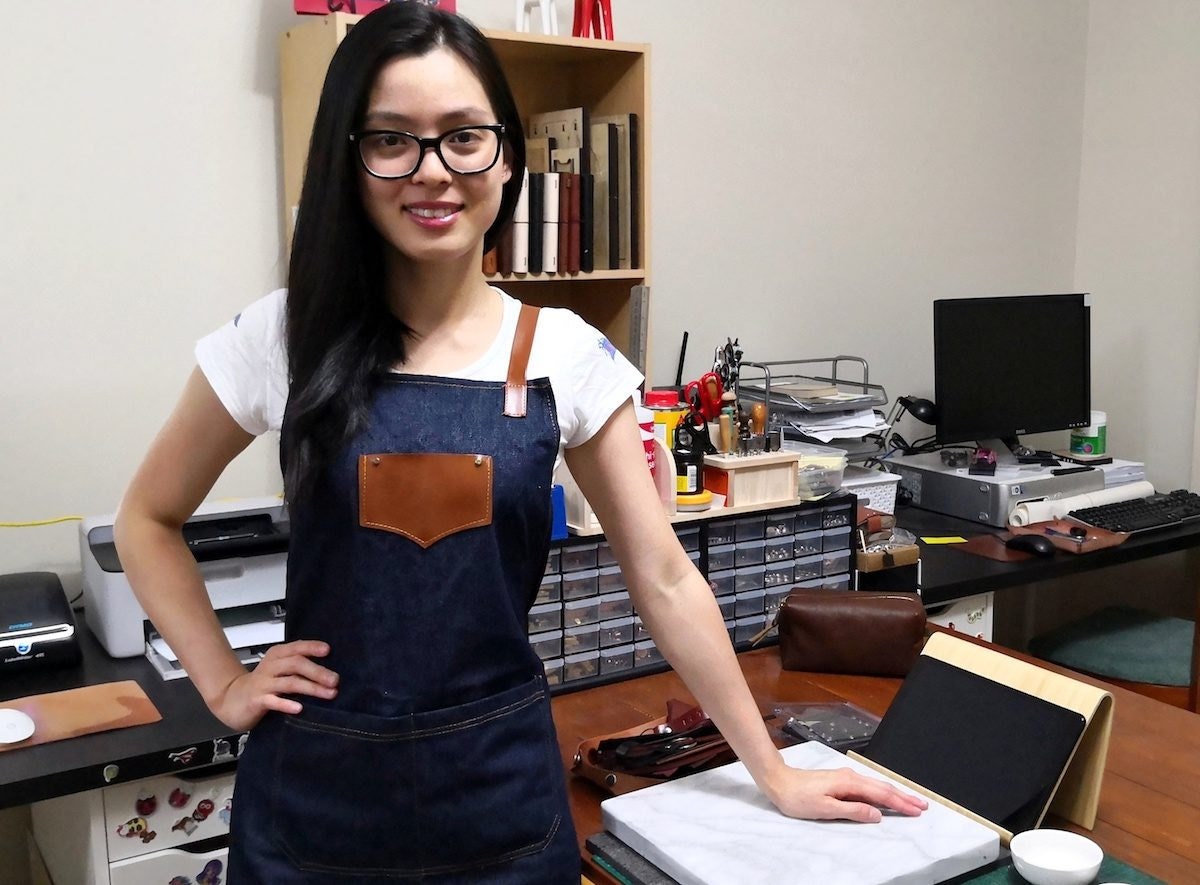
(403, 730)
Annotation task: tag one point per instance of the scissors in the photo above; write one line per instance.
(707, 393)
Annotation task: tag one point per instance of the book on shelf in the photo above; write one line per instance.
(586, 222)
(520, 229)
(605, 170)
(550, 193)
(504, 251)
(628, 188)
(571, 187)
(537, 204)
(564, 222)
(490, 261)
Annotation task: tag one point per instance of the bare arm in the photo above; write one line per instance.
(197, 442)
(679, 609)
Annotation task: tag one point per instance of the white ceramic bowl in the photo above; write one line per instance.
(1055, 857)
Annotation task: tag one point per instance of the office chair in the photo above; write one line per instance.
(1150, 654)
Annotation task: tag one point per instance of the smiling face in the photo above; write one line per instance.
(434, 215)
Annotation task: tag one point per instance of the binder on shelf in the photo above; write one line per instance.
(551, 189)
(964, 719)
(628, 188)
(537, 203)
(520, 229)
(605, 170)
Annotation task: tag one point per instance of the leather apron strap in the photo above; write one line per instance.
(518, 361)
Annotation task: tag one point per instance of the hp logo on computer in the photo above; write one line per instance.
(23, 648)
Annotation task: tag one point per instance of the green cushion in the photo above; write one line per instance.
(1123, 643)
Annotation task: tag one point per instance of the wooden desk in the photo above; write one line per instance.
(1149, 813)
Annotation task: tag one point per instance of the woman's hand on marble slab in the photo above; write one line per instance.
(838, 794)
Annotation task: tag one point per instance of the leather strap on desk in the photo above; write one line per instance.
(79, 711)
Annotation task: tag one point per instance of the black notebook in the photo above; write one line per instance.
(986, 746)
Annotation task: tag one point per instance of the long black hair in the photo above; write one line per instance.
(340, 330)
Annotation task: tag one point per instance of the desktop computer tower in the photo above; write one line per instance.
(986, 499)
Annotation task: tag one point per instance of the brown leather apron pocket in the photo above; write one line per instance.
(424, 496)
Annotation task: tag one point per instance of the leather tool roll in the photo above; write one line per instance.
(850, 631)
(643, 755)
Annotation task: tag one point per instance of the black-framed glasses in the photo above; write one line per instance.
(465, 150)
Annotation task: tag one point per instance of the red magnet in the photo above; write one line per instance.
(203, 809)
(146, 804)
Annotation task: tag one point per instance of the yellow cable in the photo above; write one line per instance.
(38, 522)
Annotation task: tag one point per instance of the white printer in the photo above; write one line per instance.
(241, 548)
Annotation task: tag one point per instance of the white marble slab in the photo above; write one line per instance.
(715, 827)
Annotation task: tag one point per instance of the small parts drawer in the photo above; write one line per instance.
(165, 812)
(171, 865)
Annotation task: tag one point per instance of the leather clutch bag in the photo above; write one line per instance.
(850, 631)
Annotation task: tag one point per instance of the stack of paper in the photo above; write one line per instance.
(1120, 472)
(827, 426)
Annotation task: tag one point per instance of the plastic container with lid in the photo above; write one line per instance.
(667, 410)
(820, 469)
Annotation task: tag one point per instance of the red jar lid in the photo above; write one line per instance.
(661, 399)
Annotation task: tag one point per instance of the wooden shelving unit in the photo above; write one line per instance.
(546, 73)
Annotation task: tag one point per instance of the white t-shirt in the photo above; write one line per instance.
(245, 362)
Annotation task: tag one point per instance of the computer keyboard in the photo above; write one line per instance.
(1158, 511)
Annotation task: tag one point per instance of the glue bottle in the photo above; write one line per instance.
(689, 457)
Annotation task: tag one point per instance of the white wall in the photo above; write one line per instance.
(1139, 227)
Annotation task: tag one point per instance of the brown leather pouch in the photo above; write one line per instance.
(424, 496)
(849, 631)
(682, 742)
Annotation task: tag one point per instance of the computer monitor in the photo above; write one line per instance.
(1011, 365)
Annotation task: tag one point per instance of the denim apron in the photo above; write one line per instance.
(417, 560)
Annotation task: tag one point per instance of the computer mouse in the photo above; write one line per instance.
(1035, 544)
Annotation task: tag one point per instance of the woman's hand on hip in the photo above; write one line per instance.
(839, 794)
(285, 669)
